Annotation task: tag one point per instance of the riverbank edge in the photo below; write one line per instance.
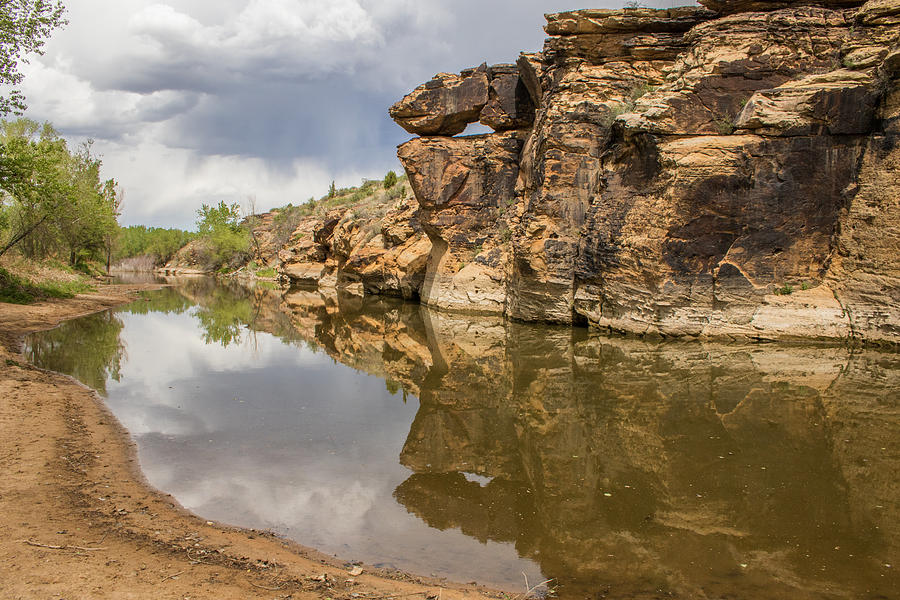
(81, 521)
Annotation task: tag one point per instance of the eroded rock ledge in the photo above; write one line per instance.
(730, 170)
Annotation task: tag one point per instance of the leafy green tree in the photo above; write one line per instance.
(390, 180)
(24, 27)
(157, 242)
(87, 220)
(54, 202)
(220, 227)
(33, 179)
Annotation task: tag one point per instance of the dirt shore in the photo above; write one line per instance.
(77, 520)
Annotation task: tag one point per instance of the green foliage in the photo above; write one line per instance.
(397, 192)
(268, 272)
(161, 244)
(287, 219)
(785, 290)
(332, 191)
(220, 228)
(53, 200)
(390, 180)
(724, 126)
(24, 26)
(849, 63)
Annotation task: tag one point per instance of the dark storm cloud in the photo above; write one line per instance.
(296, 89)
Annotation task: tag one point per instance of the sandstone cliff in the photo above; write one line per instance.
(724, 171)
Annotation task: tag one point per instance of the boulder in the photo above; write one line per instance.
(445, 105)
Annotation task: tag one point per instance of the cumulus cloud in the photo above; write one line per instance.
(197, 100)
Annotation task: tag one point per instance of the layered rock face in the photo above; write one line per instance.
(720, 171)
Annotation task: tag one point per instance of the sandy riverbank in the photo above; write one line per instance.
(79, 521)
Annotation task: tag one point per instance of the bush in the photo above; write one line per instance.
(390, 180)
(785, 290)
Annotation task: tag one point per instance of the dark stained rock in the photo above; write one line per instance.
(509, 105)
(837, 103)
(530, 71)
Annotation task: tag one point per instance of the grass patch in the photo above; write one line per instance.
(15, 289)
(267, 272)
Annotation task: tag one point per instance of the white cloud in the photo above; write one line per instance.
(198, 100)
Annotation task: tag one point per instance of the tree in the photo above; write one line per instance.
(390, 180)
(24, 26)
(33, 178)
(332, 190)
(220, 226)
(53, 200)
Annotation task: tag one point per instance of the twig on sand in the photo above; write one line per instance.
(528, 590)
(262, 587)
(194, 561)
(103, 538)
(172, 576)
(66, 547)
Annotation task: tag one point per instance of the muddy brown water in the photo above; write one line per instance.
(476, 449)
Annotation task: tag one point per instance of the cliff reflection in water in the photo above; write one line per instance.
(621, 468)
(702, 470)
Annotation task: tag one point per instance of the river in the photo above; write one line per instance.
(477, 449)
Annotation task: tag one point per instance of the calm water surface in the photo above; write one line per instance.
(482, 450)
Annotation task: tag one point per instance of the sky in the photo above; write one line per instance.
(196, 101)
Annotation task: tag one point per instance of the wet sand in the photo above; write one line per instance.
(79, 521)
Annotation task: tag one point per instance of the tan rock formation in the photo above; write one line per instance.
(465, 187)
(686, 174)
(445, 105)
